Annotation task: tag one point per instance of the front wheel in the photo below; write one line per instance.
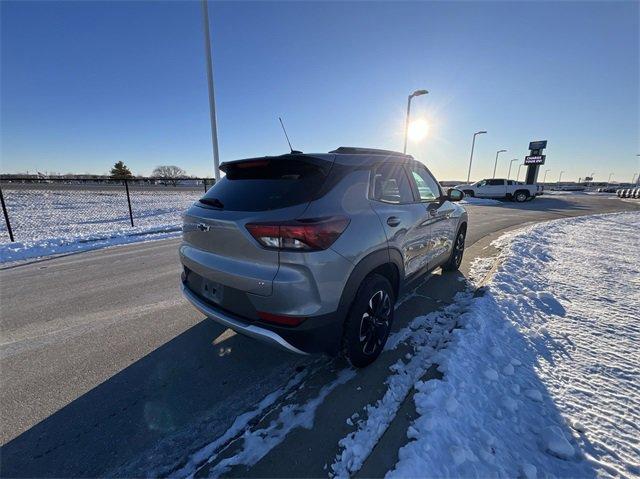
(521, 196)
(455, 260)
(369, 321)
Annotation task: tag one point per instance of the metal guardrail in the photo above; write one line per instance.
(51, 199)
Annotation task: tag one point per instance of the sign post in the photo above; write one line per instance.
(533, 160)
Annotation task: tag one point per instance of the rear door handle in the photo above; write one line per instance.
(393, 221)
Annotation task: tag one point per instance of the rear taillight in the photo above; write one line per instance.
(301, 235)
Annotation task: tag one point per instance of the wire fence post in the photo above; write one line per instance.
(6, 216)
(126, 187)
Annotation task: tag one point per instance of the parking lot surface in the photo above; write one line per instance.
(106, 370)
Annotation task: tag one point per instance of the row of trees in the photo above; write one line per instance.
(170, 174)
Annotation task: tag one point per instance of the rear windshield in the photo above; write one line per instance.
(267, 184)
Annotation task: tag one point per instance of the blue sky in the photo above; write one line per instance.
(85, 84)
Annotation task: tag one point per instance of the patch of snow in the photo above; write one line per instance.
(553, 440)
(427, 334)
(257, 443)
(209, 452)
(61, 221)
(543, 367)
(472, 200)
(529, 471)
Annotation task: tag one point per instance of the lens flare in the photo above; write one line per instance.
(418, 130)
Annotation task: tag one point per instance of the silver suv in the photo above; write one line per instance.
(310, 251)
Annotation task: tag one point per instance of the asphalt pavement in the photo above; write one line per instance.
(106, 370)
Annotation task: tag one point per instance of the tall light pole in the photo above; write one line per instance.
(544, 178)
(473, 144)
(212, 98)
(518, 176)
(510, 163)
(406, 123)
(609, 179)
(560, 177)
(495, 165)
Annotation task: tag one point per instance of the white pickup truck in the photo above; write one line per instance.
(501, 188)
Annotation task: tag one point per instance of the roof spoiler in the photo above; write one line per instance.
(352, 150)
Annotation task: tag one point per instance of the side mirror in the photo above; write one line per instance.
(454, 195)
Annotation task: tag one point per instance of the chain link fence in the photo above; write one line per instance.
(88, 209)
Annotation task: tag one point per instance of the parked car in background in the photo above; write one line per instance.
(501, 188)
(310, 251)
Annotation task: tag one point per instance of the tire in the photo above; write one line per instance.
(368, 323)
(455, 260)
(469, 193)
(521, 196)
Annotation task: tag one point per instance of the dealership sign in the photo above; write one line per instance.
(538, 145)
(534, 159)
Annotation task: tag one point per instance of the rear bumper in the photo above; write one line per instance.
(232, 322)
(317, 334)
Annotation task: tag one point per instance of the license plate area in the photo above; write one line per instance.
(212, 291)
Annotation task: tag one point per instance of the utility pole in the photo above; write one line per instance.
(495, 165)
(473, 144)
(212, 99)
(406, 122)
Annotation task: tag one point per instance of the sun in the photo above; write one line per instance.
(418, 130)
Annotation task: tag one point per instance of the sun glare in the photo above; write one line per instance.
(418, 129)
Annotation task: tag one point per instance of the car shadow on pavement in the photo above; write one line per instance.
(150, 417)
(154, 411)
(170, 403)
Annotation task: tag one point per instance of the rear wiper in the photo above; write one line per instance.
(212, 202)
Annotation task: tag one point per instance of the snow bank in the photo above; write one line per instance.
(541, 376)
(47, 222)
(472, 200)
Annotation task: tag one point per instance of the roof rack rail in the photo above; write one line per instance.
(352, 150)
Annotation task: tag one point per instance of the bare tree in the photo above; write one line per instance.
(169, 174)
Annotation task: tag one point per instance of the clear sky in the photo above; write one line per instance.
(85, 84)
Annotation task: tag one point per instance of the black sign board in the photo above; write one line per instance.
(538, 145)
(534, 159)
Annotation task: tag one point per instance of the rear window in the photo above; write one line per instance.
(267, 184)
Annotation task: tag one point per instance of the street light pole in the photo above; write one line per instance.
(510, 163)
(609, 179)
(473, 144)
(560, 177)
(518, 176)
(212, 98)
(406, 122)
(544, 178)
(495, 165)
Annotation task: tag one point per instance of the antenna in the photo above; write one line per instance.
(285, 134)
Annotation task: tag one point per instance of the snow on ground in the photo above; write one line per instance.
(57, 221)
(541, 377)
(541, 371)
(472, 200)
(257, 443)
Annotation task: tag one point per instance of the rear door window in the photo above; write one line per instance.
(267, 184)
(391, 184)
(495, 182)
